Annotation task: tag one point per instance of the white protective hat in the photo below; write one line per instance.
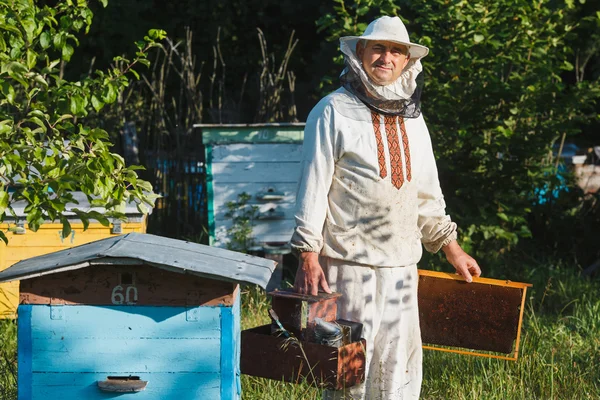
(389, 29)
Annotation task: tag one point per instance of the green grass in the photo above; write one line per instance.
(559, 355)
(559, 359)
(8, 359)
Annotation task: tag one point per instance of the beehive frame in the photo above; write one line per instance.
(450, 280)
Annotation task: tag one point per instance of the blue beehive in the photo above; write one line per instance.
(135, 316)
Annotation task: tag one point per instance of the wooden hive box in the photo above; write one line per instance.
(153, 317)
(298, 357)
(483, 317)
(262, 160)
(24, 243)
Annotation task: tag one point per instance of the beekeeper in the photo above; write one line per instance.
(368, 197)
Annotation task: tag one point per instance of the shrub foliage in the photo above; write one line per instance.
(46, 152)
(496, 101)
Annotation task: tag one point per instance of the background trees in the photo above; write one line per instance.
(46, 152)
(506, 82)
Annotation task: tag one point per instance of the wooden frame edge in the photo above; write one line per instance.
(515, 354)
(469, 353)
(488, 281)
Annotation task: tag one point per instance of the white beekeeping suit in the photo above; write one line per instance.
(368, 197)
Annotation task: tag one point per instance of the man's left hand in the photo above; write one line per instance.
(465, 264)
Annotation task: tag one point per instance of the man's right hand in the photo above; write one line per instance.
(310, 275)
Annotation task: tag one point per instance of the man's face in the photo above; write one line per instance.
(383, 61)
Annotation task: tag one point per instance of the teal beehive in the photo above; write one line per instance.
(135, 316)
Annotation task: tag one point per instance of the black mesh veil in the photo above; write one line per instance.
(401, 98)
(407, 108)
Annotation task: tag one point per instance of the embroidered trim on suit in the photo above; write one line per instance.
(406, 149)
(380, 150)
(394, 147)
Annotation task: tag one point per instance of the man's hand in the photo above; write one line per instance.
(465, 264)
(310, 275)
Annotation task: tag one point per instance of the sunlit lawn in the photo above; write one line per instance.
(560, 348)
(560, 351)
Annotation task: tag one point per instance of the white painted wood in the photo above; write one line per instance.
(248, 152)
(263, 232)
(255, 172)
(230, 192)
(286, 208)
(255, 168)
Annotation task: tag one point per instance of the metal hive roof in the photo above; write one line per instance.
(139, 248)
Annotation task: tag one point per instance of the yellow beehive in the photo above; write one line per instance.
(24, 243)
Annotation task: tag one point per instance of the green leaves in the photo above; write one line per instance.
(46, 152)
(17, 71)
(78, 105)
(155, 35)
(346, 20)
(96, 103)
(67, 52)
(495, 101)
(109, 93)
(4, 200)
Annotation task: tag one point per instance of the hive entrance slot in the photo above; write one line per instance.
(122, 384)
(123, 378)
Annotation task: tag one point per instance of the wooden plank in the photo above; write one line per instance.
(104, 285)
(288, 210)
(53, 226)
(53, 238)
(161, 386)
(125, 322)
(24, 353)
(81, 202)
(256, 172)
(9, 298)
(252, 134)
(210, 190)
(247, 152)
(518, 339)
(22, 247)
(228, 355)
(126, 356)
(278, 358)
(230, 192)
(23, 253)
(224, 127)
(48, 228)
(487, 281)
(236, 338)
(112, 341)
(279, 231)
(284, 226)
(8, 291)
